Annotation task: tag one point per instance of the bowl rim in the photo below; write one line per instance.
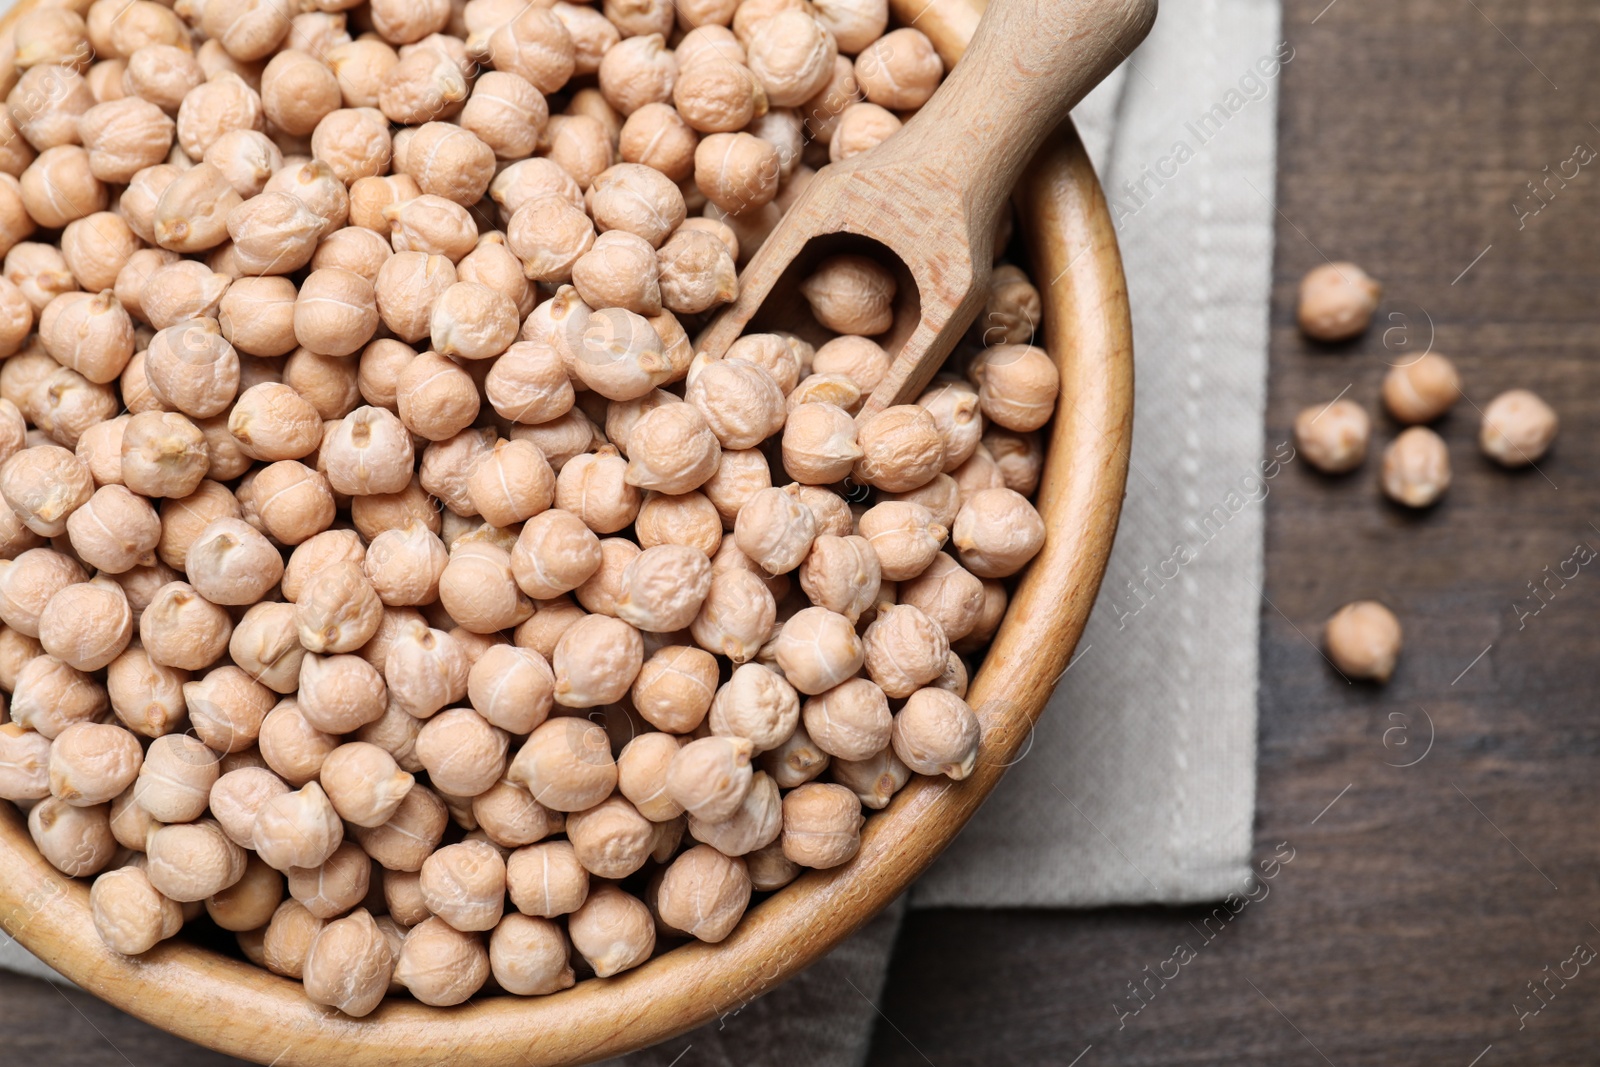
(237, 1008)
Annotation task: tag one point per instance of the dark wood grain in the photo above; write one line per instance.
(1417, 908)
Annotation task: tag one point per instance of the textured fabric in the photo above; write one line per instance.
(1139, 785)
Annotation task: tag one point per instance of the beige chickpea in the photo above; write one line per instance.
(956, 410)
(704, 893)
(478, 590)
(163, 454)
(860, 128)
(581, 144)
(425, 84)
(353, 142)
(821, 825)
(740, 400)
(357, 250)
(491, 263)
(402, 895)
(182, 629)
(334, 886)
(696, 273)
(193, 368)
(46, 103)
(505, 113)
(791, 55)
(850, 721)
(709, 778)
(843, 574)
(528, 180)
(404, 565)
(250, 30)
(855, 24)
(298, 829)
(330, 384)
(271, 421)
(611, 839)
(228, 709)
(184, 518)
(273, 233)
(350, 965)
(1518, 428)
(439, 965)
(1363, 640)
(536, 46)
(28, 582)
(900, 70)
(52, 35)
(122, 137)
(96, 248)
(464, 754)
(555, 553)
(249, 903)
(673, 450)
(16, 317)
(14, 433)
(954, 677)
(566, 764)
(757, 704)
(291, 745)
(192, 214)
(819, 444)
(529, 384)
(511, 818)
(905, 650)
(775, 530)
(851, 295)
(431, 224)
(817, 649)
(901, 449)
(770, 869)
(1416, 468)
(656, 136)
(465, 885)
(44, 485)
(617, 353)
(529, 956)
(511, 484)
(368, 452)
(636, 199)
(293, 502)
(232, 563)
(335, 313)
(435, 397)
(546, 880)
(662, 588)
(737, 616)
(24, 763)
(742, 474)
(59, 187)
(561, 439)
(411, 835)
(364, 784)
(593, 487)
(315, 184)
(755, 824)
(338, 610)
(472, 321)
(602, 592)
(874, 780)
(738, 172)
(1337, 301)
(176, 291)
(947, 593)
(687, 519)
(289, 937)
(1017, 460)
(371, 515)
(451, 162)
(39, 271)
(675, 688)
(612, 930)
(146, 697)
(66, 404)
(162, 74)
(619, 271)
(75, 841)
(997, 532)
(130, 915)
(92, 764)
(936, 733)
(718, 94)
(256, 315)
(379, 369)
(87, 625)
(360, 66)
(406, 289)
(246, 158)
(15, 222)
(1018, 386)
(396, 733)
(595, 662)
(642, 775)
(192, 861)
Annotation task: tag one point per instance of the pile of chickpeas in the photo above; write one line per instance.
(377, 548)
(1337, 303)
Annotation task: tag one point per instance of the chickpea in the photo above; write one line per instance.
(905, 650)
(236, 798)
(29, 582)
(901, 449)
(379, 368)
(936, 733)
(852, 295)
(46, 103)
(478, 590)
(289, 937)
(193, 368)
(775, 530)
(146, 697)
(335, 313)
(546, 880)
(176, 290)
(530, 179)
(511, 818)
(741, 402)
(353, 142)
(294, 502)
(874, 780)
(436, 398)
(407, 286)
(1337, 301)
(899, 70)
(298, 829)
(44, 485)
(256, 315)
(1518, 428)
(368, 452)
(1340, 443)
(737, 616)
(528, 956)
(87, 625)
(60, 187)
(601, 593)
(506, 113)
(130, 915)
(472, 321)
(717, 93)
(821, 825)
(535, 46)
(355, 249)
(819, 444)
(796, 761)
(1017, 386)
(182, 629)
(246, 158)
(529, 384)
(315, 184)
(16, 317)
(350, 965)
(194, 210)
(411, 835)
(612, 930)
(92, 764)
(581, 144)
(710, 778)
(742, 474)
(1363, 640)
(192, 861)
(619, 271)
(948, 594)
(162, 74)
(566, 764)
(465, 885)
(40, 273)
(696, 272)
(249, 903)
(425, 84)
(656, 136)
(997, 532)
(291, 745)
(439, 965)
(770, 869)
(250, 30)
(122, 137)
(704, 893)
(24, 763)
(1416, 468)
(335, 886)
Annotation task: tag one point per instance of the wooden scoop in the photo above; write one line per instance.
(932, 194)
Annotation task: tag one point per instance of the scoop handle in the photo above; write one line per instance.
(1029, 63)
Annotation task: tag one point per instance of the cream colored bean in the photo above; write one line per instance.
(192, 861)
(130, 915)
(566, 764)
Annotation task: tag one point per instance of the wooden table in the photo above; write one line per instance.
(1420, 900)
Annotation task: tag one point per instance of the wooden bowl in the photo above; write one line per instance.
(237, 1008)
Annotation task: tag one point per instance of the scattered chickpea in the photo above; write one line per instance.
(1363, 640)
(1339, 443)
(1517, 428)
(1416, 468)
(1337, 301)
